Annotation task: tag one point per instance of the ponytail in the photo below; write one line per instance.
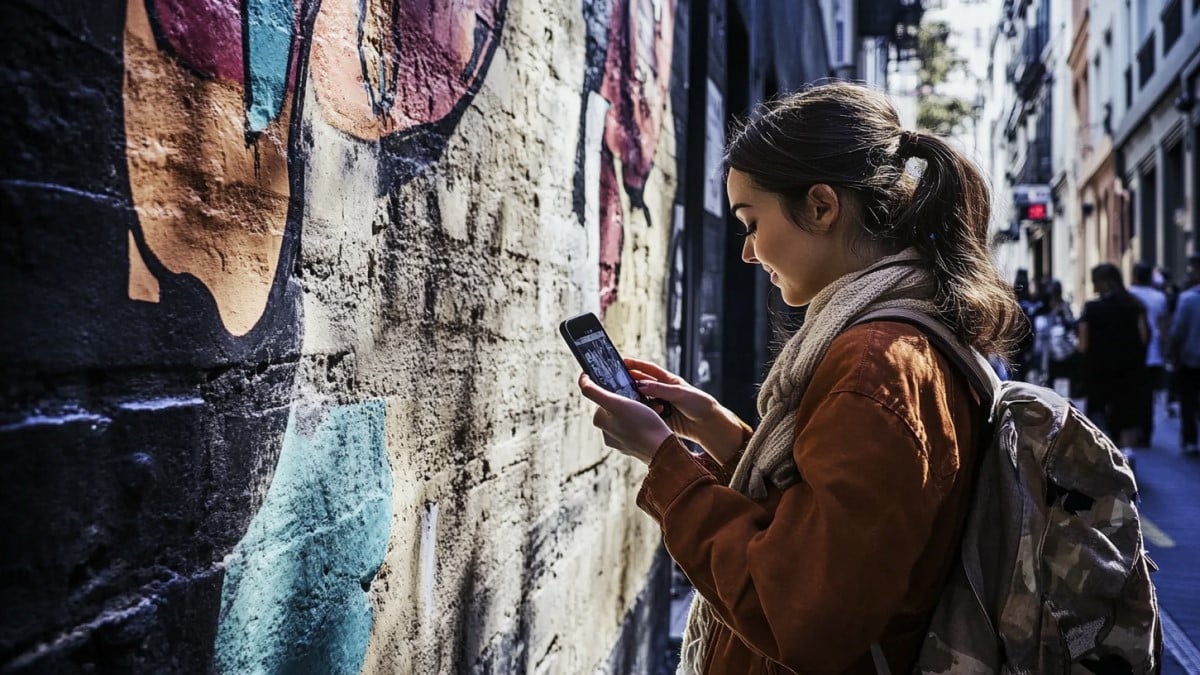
(947, 219)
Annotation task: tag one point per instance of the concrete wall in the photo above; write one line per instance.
(283, 384)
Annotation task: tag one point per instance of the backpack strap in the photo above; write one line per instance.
(983, 380)
(968, 361)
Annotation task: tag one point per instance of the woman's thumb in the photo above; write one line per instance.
(599, 395)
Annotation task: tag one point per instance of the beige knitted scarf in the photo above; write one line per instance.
(900, 281)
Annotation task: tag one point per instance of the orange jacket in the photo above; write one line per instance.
(856, 552)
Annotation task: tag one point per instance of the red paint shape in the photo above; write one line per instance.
(637, 70)
(612, 231)
(204, 34)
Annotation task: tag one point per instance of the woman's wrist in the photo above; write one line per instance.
(724, 435)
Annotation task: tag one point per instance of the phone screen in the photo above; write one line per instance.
(597, 355)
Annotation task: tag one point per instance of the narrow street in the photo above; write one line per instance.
(1168, 482)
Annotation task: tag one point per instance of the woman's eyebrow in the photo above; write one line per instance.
(739, 205)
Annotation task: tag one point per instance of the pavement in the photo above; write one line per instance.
(1169, 487)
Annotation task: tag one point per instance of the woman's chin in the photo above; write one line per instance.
(792, 300)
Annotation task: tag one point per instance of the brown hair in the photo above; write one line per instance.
(849, 137)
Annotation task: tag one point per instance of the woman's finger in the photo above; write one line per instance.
(668, 392)
(654, 370)
(640, 375)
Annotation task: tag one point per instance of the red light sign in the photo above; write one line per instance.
(1035, 212)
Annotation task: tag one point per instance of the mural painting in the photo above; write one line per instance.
(391, 74)
(629, 65)
(189, 438)
(182, 166)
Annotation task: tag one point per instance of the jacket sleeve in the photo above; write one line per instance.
(813, 584)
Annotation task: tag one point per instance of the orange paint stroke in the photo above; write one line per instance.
(208, 205)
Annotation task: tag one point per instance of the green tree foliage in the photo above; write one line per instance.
(938, 113)
(943, 115)
(936, 56)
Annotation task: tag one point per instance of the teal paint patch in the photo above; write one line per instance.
(294, 598)
(270, 27)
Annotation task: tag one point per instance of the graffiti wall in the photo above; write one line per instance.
(283, 385)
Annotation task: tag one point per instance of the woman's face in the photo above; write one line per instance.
(801, 261)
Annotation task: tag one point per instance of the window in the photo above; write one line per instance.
(1172, 23)
(1145, 60)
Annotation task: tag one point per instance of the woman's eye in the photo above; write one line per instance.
(751, 228)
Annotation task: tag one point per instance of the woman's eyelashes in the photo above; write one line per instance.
(751, 227)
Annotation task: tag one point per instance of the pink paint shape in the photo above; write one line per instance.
(206, 35)
(411, 67)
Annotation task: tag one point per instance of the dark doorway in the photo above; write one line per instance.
(1148, 208)
(1175, 227)
(742, 303)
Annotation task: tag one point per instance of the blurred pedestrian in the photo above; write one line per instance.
(821, 541)
(1158, 319)
(1055, 341)
(1185, 351)
(1164, 282)
(1023, 358)
(1112, 338)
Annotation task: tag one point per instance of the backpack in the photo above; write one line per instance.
(1052, 575)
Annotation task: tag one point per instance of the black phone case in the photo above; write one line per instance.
(566, 334)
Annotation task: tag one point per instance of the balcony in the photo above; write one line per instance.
(881, 18)
(1027, 69)
(1036, 169)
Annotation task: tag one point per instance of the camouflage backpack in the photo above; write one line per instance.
(1052, 576)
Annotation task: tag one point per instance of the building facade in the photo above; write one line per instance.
(1154, 120)
(1122, 172)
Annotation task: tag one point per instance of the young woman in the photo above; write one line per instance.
(819, 542)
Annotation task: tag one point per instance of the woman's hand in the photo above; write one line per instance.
(696, 415)
(628, 426)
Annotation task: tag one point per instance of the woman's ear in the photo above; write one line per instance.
(823, 207)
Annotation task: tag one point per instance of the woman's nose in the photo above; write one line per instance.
(748, 250)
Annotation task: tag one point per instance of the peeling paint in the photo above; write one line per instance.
(428, 558)
(162, 403)
(56, 420)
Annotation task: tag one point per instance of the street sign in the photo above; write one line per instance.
(1033, 202)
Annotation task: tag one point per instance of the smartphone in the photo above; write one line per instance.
(597, 355)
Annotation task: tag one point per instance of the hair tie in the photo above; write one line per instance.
(909, 142)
